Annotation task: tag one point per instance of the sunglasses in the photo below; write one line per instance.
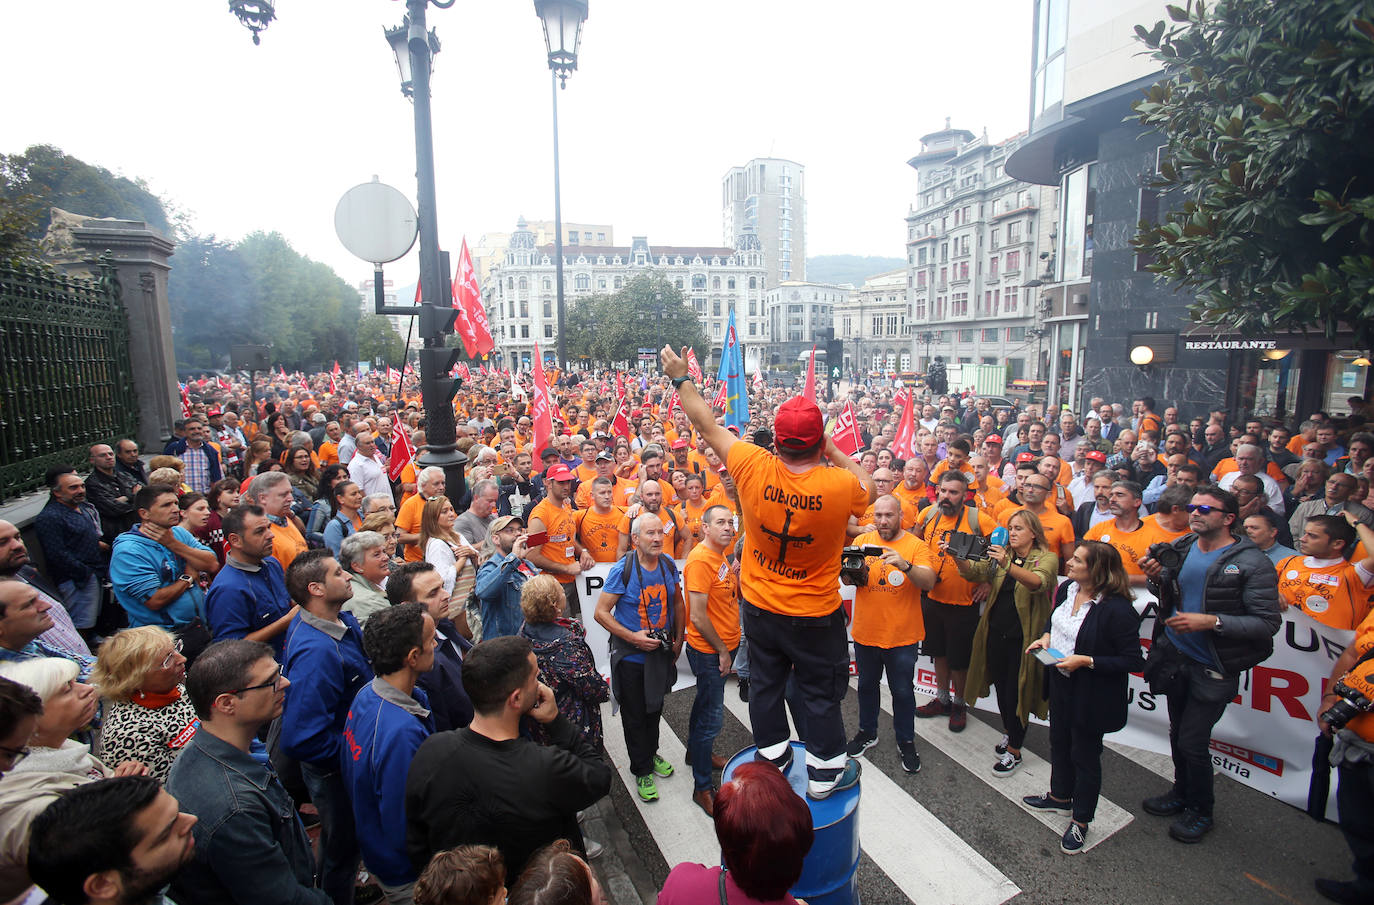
(1202, 508)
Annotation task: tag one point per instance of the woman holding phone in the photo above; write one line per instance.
(1092, 640)
(1021, 574)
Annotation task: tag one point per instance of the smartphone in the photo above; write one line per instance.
(1048, 656)
(538, 540)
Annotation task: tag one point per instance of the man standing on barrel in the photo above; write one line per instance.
(794, 511)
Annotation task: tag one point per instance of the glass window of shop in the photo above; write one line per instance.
(1076, 245)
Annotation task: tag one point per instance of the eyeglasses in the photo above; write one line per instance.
(1037, 487)
(274, 684)
(15, 754)
(1202, 508)
(171, 657)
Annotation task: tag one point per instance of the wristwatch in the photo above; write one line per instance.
(677, 382)
(1217, 628)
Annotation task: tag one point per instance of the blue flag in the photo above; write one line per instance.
(731, 376)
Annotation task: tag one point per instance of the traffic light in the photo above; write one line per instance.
(834, 363)
(436, 320)
(436, 366)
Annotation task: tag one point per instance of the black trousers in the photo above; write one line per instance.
(1355, 799)
(1196, 701)
(1004, 654)
(641, 726)
(814, 651)
(1075, 753)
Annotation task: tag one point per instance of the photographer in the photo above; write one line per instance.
(1353, 756)
(1218, 613)
(888, 626)
(641, 606)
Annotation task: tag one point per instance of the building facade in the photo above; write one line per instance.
(367, 303)
(521, 300)
(975, 259)
(797, 313)
(874, 323)
(490, 249)
(767, 196)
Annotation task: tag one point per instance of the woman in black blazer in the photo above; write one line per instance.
(1096, 630)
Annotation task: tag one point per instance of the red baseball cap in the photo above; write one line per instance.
(213, 413)
(1096, 455)
(1026, 457)
(679, 443)
(558, 472)
(993, 438)
(798, 424)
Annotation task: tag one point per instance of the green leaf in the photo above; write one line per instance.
(1177, 13)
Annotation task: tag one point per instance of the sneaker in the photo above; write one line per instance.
(594, 849)
(1339, 891)
(848, 778)
(958, 717)
(1006, 764)
(783, 763)
(934, 707)
(744, 690)
(646, 787)
(1072, 843)
(911, 761)
(1166, 805)
(1001, 747)
(1046, 803)
(662, 767)
(861, 743)
(1191, 827)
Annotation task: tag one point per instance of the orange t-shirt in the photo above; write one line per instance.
(690, 518)
(1131, 545)
(672, 533)
(1296, 443)
(1163, 535)
(583, 498)
(287, 543)
(329, 453)
(707, 572)
(558, 522)
(887, 613)
(1058, 529)
(943, 466)
(1334, 595)
(408, 522)
(409, 476)
(950, 586)
(585, 472)
(909, 516)
(600, 534)
(1363, 725)
(911, 499)
(793, 531)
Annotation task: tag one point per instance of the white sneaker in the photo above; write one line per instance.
(594, 849)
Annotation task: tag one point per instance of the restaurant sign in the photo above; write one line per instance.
(1229, 345)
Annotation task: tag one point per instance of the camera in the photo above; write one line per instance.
(1354, 700)
(1168, 591)
(1168, 558)
(963, 545)
(661, 636)
(854, 563)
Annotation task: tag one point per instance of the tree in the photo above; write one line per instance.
(1266, 108)
(43, 177)
(646, 313)
(376, 339)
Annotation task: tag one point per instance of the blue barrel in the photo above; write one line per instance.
(830, 871)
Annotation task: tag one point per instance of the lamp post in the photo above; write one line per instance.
(562, 33)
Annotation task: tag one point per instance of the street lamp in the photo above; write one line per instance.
(562, 33)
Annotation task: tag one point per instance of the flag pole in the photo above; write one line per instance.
(401, 373)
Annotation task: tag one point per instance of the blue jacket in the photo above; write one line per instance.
(499, 581)
(335, 530)
(250, 845)
(139, 566)
(383, 732)
(326, 665)
(177, 447)
(245, 599)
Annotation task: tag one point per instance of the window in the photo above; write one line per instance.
(600, 282)
(987, 360)
(510, 283)
(877, 325)
(524, 308)
(992, 266)
(699, 281)
(1013, 261)
(1014, 232)
(524, 284)
(548, 331)
(1016, 334)
(919, 309)
(548, 308)
(1011, 295)
(958, 304)
(990, 336)
(583, 281)
(715, 307)
(944, 277)
(920, 279)
(618, 283)
(963, 270)
(753, 282)
(601, 237)
(965, 336)
(715, 282)
(678, 283)
(753, 308)
(524, 331)
(548, 284)
(511, 306)
(586, 237)
(753, 328)
(1018, 368)
(921, 255)
(944, 252)
(892, 325)
(730, 283)
(993, 239)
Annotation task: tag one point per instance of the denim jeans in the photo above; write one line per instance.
(708, 712)
(900, 663)
(82, 601)
(1195, 706)
(339, 853)
(742, 654)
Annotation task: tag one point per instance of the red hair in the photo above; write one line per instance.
(764, 829)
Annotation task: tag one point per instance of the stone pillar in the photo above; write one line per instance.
(140, 257)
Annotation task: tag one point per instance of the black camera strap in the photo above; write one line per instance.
(944, 557)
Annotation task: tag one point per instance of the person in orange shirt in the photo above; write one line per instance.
(1170, 521)
(561, 554)
(603, 467)
(888, 626)
(956, 457)
(1322, 582)
(1035, 494)
(598, 524)
(985, 486)
(651, 500)
(713, 635)
(585, 472)
(651, 462)
(691, 512)
(432, 483)
(949, 609)
(1126, 531)
(794, 510)
(912, 489)
(706, 463)
(272, 491)
(884, 482)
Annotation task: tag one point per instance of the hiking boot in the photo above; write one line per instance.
(1191, 827)
(958, 717)
(1166, 805)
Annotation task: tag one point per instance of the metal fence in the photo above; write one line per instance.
(65, 376)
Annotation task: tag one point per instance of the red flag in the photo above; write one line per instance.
(333, 385)
(672, 406)
(809, 388)
(693, 368)
(469, 296)
(720, 400)
(223, 384)
(541, 412)
(336, 372)
(185, 402)
(620, 424)
(904, 443)
(462, 324)
(463, 371)
(283, 372)
(758, 382)
(402, 452)
(846, 432)
(305, 386)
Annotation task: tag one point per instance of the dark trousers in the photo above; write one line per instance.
(900, 663)
(641, 726)
(815, 652)
(1004, 654)
(1075, 753)
(1196, 701)
(339, 853)
(1355, 801)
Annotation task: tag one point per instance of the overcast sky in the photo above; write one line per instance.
(667, 97)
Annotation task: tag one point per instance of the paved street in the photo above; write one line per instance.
(955, 835)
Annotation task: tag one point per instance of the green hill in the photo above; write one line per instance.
(852, 269)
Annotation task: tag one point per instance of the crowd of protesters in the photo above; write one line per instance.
(281, 661)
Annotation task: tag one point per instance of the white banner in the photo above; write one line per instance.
(589, 586)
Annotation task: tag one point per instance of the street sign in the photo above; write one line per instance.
(375, 222)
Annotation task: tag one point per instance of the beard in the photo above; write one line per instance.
(142, 887)
(948, 507)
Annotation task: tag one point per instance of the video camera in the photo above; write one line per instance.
(854, 563)
(962, 545)
(1170, 561)
(1357, 696)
